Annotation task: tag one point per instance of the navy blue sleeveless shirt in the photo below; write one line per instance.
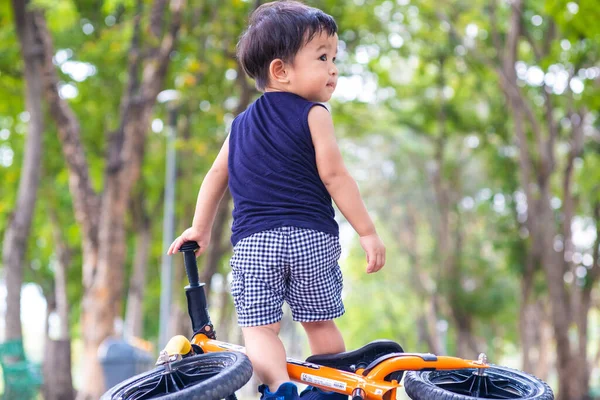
(273, 175)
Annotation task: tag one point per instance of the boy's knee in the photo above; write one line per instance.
(318, 325)
(262, 329)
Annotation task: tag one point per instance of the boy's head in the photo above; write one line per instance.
(278, 31)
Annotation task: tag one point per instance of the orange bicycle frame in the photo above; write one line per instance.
(371, 386)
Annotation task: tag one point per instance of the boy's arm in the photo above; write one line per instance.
(211, 192)
(342, 187)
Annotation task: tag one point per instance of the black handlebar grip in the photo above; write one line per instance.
(189, 259)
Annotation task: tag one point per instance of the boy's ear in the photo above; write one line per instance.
(278, 71)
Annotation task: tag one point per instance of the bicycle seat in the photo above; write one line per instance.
(350, 361)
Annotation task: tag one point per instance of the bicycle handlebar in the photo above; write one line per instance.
(196, 298)
(189, 260)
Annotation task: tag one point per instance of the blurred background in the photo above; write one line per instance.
(471, 128)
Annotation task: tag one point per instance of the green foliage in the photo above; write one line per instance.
(61, 15)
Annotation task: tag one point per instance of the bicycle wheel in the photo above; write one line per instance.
(463, 384)
(212, 376)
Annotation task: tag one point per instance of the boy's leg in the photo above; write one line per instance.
(267, 354)
(324, 337)
(315, 296)
(315, 289)
(259, 269)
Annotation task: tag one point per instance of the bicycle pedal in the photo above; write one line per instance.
(165, 358)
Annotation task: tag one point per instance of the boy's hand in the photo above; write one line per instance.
(375, 250)
(191, 235)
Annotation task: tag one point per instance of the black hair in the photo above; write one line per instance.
(279, 30)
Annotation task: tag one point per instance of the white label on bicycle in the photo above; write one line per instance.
(230, 346)
(317, 380)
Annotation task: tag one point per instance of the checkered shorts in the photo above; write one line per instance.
(297, 265)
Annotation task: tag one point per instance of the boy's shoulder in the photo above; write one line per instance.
(283, 103)
(240, 116)
(286, 107)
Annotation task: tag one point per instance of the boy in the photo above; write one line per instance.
(283, 167)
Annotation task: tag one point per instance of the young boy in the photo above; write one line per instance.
(283, 166)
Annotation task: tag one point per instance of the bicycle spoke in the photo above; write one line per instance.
(173, 382)
(454, 382)
(142, 390)
(190, 376)
(505, 389)
(454, 376)
(488, 386)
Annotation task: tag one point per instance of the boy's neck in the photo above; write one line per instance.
(271, 89)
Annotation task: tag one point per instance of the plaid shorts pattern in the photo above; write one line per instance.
(296, 265)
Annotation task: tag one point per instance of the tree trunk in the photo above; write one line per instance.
(527, 327)
(58, 383)
(47, 360)
(19, 225)
(540, 213)
(63, 261)
(408, 238)
(533, 323)
(544, 231)
(546, 360)
(450, 236)
(57, 370)
(536, 339)
(581, 293)
(585, 306)
(86, 203)
(134, 319)
(101, 217)
(566, 363)
(466, 345)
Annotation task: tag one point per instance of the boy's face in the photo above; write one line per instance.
(313, 74)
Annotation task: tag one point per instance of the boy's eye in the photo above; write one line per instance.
(323, 57)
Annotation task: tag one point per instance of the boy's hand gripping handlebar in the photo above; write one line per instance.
(189, 259)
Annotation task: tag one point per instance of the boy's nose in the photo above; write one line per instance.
(333, 70)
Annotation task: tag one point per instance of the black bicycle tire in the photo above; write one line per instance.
(237, 370)
(418, 388)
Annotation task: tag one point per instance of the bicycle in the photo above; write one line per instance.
(204, 368)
